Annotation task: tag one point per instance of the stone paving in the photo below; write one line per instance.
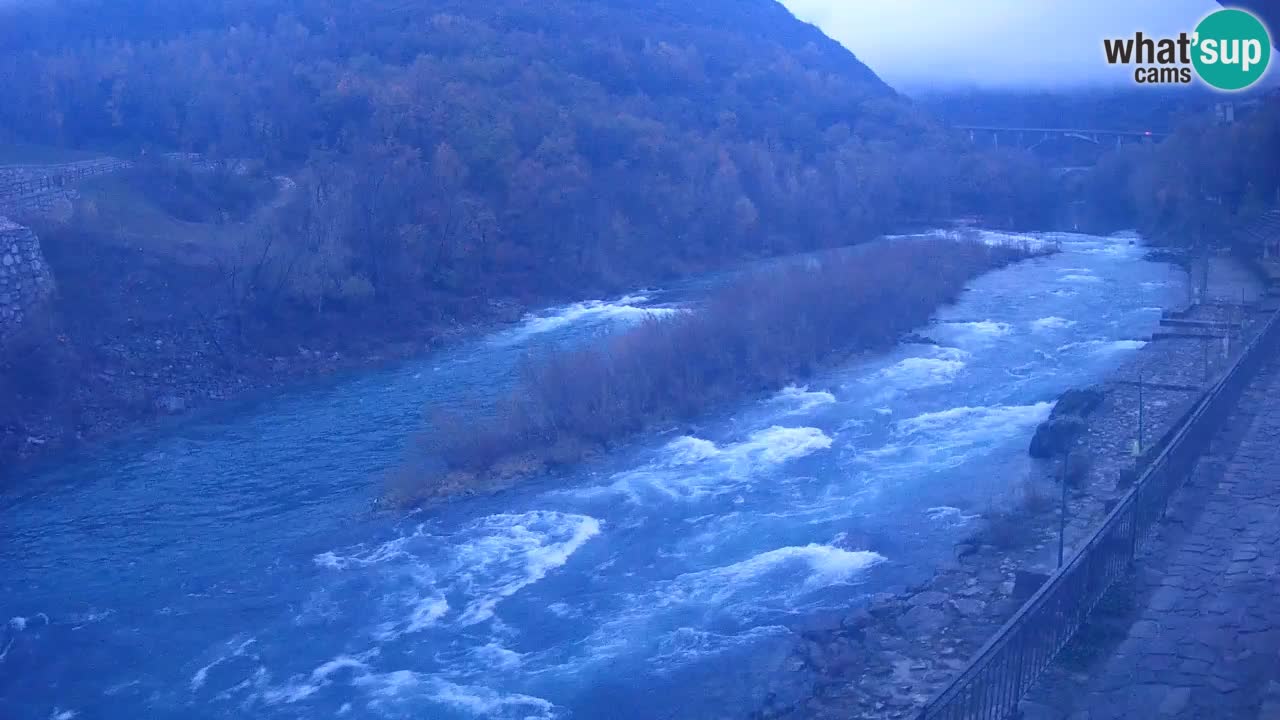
(1202, 637)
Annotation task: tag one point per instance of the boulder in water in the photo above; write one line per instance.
(1078, 402)
(918, 339)
(1065, 424)
(1055, 436)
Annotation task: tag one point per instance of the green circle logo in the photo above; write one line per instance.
(1232, 49)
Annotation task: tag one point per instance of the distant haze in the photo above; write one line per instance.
(916, 44)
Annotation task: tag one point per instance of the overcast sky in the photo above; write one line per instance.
(1003, 43)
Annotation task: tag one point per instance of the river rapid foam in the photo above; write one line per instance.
(231, 568)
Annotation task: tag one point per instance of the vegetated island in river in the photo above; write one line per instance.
(755, 334)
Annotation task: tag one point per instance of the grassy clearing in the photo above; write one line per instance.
(117, 210)
(178, 215)
(757, 334)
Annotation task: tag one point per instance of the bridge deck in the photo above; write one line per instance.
(1201, 637)
(1082, 131)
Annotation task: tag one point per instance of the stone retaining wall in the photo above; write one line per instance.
(37, 189)
(25, 280)
(27, 190)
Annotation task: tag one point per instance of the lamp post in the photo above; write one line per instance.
(1204, 345)
(1141, 413)
(1062, 525)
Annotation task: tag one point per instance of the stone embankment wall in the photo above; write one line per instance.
(27, 190)
(30, 190)
(37, 189)
(25, 280)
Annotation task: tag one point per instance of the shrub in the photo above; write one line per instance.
(1079, 465)
(356, 290)
(1006, 529)
(1036, 497)
(1010, 521)
(754, 334)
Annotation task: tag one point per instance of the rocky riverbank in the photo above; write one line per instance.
(886, 660)
(143, 373)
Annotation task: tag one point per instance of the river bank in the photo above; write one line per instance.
(134, 340)
(888, 658)
(149, 374)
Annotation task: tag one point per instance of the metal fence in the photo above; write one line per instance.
(1005, 668)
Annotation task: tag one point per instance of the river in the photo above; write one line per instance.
(232, 566)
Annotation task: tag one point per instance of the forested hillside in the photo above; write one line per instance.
(1197, 186)
(484, 145)
(405, 168)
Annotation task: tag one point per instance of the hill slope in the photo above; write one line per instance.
(617, 138)
(445, 154)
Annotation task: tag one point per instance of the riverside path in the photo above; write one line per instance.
(1196, 634)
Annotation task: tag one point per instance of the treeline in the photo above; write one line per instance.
(756, 334)
(506, 147)
(1196, 186)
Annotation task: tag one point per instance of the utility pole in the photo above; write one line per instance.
(1204, 274)
(1141, 413)
(1204, 345)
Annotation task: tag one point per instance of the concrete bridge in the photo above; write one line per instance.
(1033, 137)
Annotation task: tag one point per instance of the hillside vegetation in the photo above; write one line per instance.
(481, 146)
(1195, 187)
(447, 162)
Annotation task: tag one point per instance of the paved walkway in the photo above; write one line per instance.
(1201, 635)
